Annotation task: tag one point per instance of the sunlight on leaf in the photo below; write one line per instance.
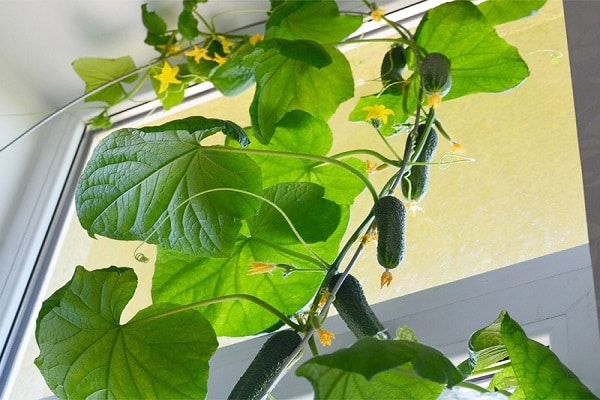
(96, 72)
(538, 370)
(86, 353)
(481, 61)
(184, 279)
(316, 138)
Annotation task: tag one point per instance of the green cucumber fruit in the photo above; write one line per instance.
(351, 304)
(392, 65)
(435, 74)
(416, 182)
(390, 216)
(266, 366)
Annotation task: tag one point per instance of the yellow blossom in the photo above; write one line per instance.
(219, 59)
(377, 14)
(226, 43)
(456, 147)
(434, 99)
(386, 278)
(413, 207)
(170, 49)
(370, 236)
(371, 167)
(259, 37)
(323, 299)
(325, 337)
(377, 112)
(199, 53)
(259, 267)
(167, 76)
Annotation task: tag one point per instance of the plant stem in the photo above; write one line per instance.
(305, 156)
(370, 152)
(293, 254)
(223, 299)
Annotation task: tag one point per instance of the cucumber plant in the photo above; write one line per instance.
(249, 232)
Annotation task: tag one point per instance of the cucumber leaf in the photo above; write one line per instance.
(150, 185)
(86, 353)
(500, 11)
(188, 24)
(156, 28)
(234, 77)
(373, 368)
(320, 21)
(481, 61)
(485, 348)
(184, 279)
(341, 186)
(288, 80)
(314, 217)
(96, 72)
(538, 370)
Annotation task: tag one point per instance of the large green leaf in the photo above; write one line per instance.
(86, 353)
(286, 83)
(150, 185)
(299, 132)
(541, 375)
(320, 21)
(501, 11)
(96, 72)
(314, 217)
(481, 61)
(373, 368)
(184, 279)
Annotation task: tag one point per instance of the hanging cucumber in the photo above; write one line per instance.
(266, 366)
(390, 216)
(416, 181)
(392, 65)
(435, 74)
(351, 304)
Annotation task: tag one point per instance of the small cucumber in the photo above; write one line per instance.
(351, 304)
(266, 366)
(436, 77)
(392, 65)
(416, 182)
(390, 216)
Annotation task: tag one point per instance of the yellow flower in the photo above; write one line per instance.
(456, 147)
(170, 49)
(259, 267)
(413, 208)
(167, 76)
(259, 37)
(219, 59)
(377, 112)
(226, 43)
(371, 167)
(199, 53)
(386, 278)
(434, 99)
(377, 14)
(325, 337)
